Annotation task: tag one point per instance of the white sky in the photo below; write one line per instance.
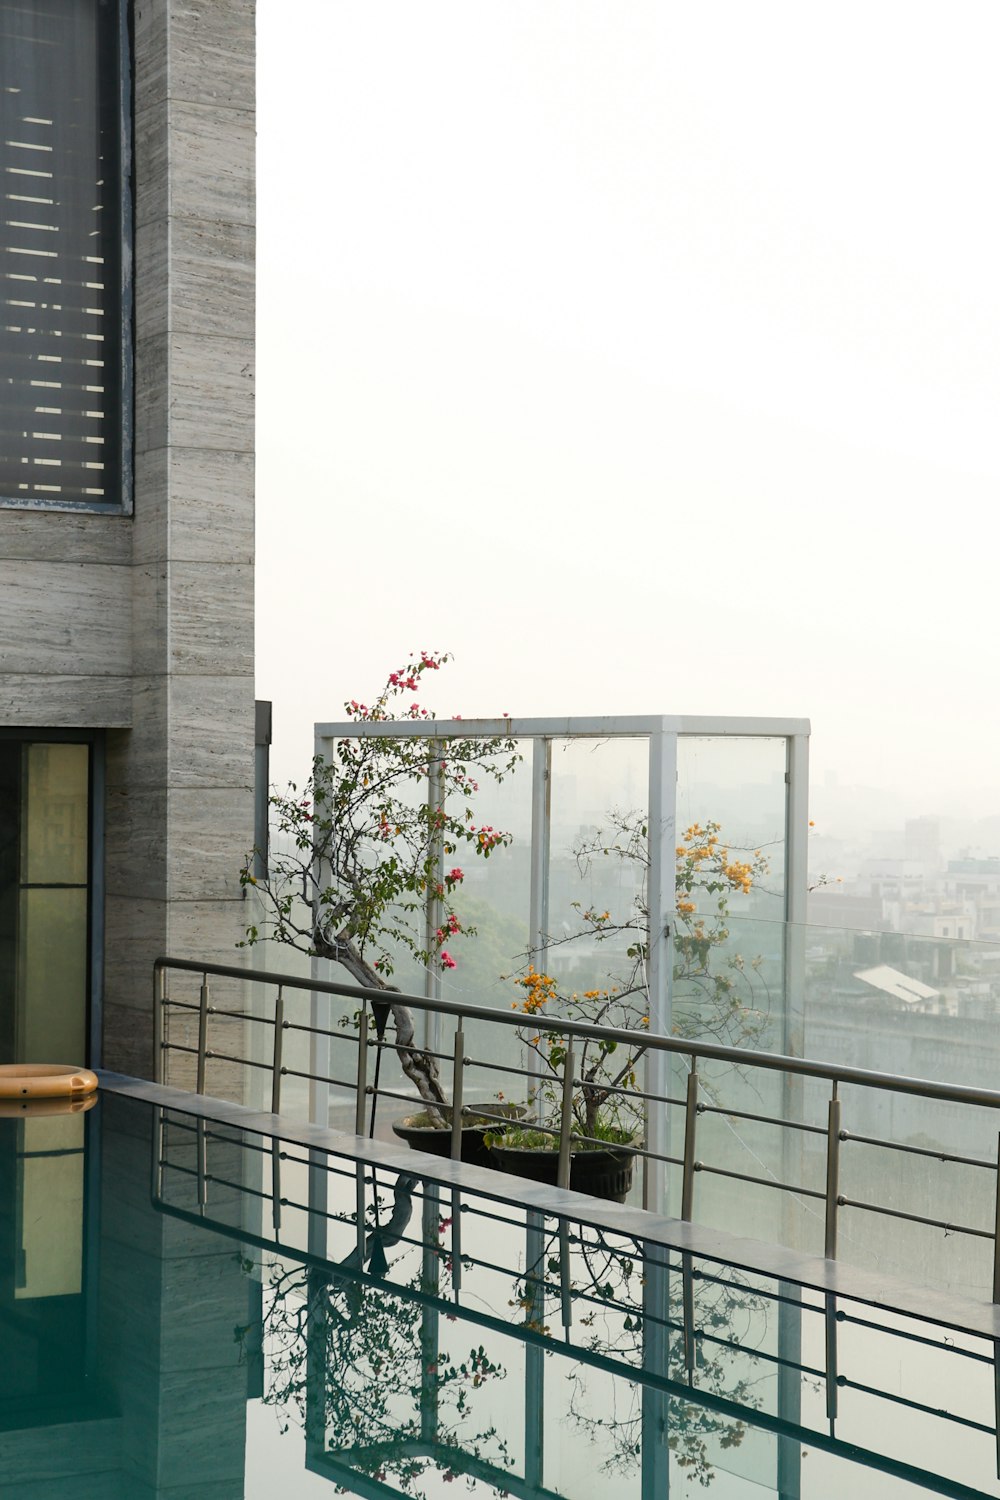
(646, 356)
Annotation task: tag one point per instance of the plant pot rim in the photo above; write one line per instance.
(604, 1148)
(472, 1119)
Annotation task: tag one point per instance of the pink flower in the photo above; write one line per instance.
(455, 874)
(447, 962)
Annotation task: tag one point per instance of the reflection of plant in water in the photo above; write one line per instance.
(357, 1365)
(610, 1281)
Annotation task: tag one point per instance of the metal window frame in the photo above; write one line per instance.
(124, 480)
(662, 733)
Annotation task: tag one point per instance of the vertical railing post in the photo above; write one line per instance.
(996, 1234)
(433, 906)
(661, 902)
(201, 1147)
(690, 1126)
(565, 1282)
(158, 1139)
(566, 1118)
(832, 1176)
(159, 994)
(360, 1227)
(830, 1322)
(202, 1033)
(538, 909)
(279, 1042)
(361, 1093)
(687, 1298)
(276, 1183)
(457, 1086)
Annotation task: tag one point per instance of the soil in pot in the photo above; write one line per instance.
(420, 1132)
(606, 1172)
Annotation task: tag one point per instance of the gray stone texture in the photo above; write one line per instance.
(143, 625)
(183, 778)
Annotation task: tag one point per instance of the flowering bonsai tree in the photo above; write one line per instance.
(358, 849)
(718, 990)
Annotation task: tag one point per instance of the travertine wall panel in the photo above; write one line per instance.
(211, 619)
(53, 701)
(40, 536)
(211, 57)
(64, 618)
(209, 830)
(147, 621)
(209, 516)
(212, 159)
(152, 374)
(137, 832)
(183, 782)
(211, 401)
(207, 732)
(211, 286)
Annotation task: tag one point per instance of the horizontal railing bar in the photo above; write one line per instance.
(340, 1083)
(475, 1062)
(240, 1187)
(341, 1031)
(419, 1104)
(914, 1338)
(745, 1114)
(784, 1187)
(610, 1088)
(943, 1156)
(237, 1015)
(245, 1062)
(770, 1061)
(930, 1411)
(213, 1135)
(897, 1213)
(176, 1047)
(383, 1046)
(181, 1004)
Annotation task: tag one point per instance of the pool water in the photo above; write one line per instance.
(194, 1311)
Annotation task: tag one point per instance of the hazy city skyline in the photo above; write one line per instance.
(644, 357)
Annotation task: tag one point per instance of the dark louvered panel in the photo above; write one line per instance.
(60, 266)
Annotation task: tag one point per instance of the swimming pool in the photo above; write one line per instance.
(193, 1310)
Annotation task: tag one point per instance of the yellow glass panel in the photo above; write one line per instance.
(55, 814)
(53, 977)
(50, 1210)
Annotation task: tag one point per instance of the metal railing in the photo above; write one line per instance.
(549, 1265)
(565, 1137)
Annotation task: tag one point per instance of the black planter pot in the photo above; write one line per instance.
(420, 1135)
(603, 1173)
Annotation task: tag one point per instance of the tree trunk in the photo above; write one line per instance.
(420, 1068)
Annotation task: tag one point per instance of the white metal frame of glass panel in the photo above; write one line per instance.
(662, 731)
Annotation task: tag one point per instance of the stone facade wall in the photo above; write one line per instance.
(143, 625)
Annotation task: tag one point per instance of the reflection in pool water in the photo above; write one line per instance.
(193, 1311)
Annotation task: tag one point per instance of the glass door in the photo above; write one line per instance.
(44, 900)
